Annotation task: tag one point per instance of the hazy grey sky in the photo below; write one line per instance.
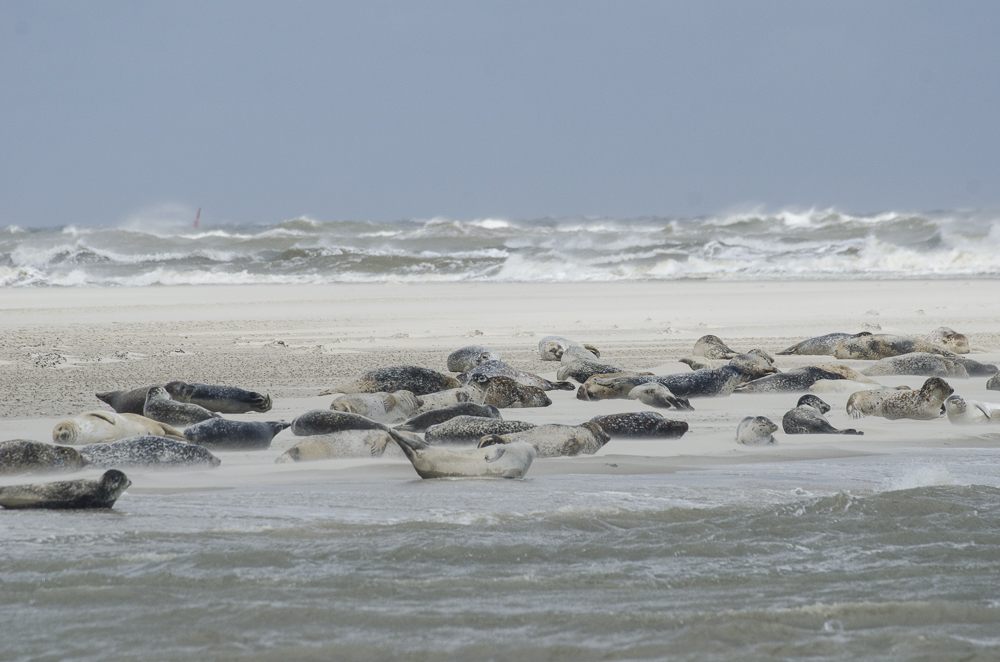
(259, 112)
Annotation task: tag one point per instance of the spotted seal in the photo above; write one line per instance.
(418, 381)
(101, 493)
(126, 402)
(342, 444)
(19, 456)
(698, 384)
(884, 345)
(491, 369)
(658, 395)
(807, 418)
(148, 451)
(994, 383)
(222, 399)
(712, 347)
(918, 363)
(555, 440)
(467, 358)
(504, 461)
(582, 370)
(506, 393)
(228, 435)
(949, 339)
(474, 393)
(640, 424)
(924, 404)
(161, 407)
(799, 379)
(470, 429)
(324, 421)
(552, 348)
(97, 426)
(382, 407)
(961, 411)
(821, 345)
(756, 431)
(421, 422)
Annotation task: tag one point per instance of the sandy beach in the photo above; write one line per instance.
(60, 346)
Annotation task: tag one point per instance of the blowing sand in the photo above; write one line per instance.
(60, 346)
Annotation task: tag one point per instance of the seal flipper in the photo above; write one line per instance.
(495, 453)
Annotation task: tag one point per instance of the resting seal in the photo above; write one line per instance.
(712, 347)
(807, 418)
(68, 493)
(949, 339)
(918, 363)
(474, 393)
(971, 412)
(506, 393)
(97, 426)
(756, 431)
(470, 429)
(343, 444)
(821, 345)
(799, 379)
(582, 370)
(148, 451)
(416, 380)
(222, 399)
(658, 395)
(467, 358)
(922, 405)
(323, 421)
(19, 456)
(698, 384)
(491, 369)
(506, 461)
(552, 348)
(842, 386)
(126, 402)
(555, 440)
(161, 407)
(640, 424)
(994, 383)
(382, 407)
(884, 345)
(421, 422)
(226, 435)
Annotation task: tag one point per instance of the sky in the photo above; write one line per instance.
(258, 112)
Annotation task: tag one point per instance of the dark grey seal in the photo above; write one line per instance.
(19, 456)
(581, 370)
(423, 421)
(148, 451)
(821, 345)
(977, 369)
(708, 382)
(226, 435)
(507, 393)
(807, 418)
(470, 429)
(467, 358)
(325, 421)
(418, 381)
(222, 399)
(126, 402)
(799, 379)
(491, 369)
(639, 424)
(161, 407)
(100, 493)
(994, 383)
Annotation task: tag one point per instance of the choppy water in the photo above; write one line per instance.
(813, 244)
(863, 558)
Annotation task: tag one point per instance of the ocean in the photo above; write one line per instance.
(786, 245)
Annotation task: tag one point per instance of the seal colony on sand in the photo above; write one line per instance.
(807, 418)
(97, 426)
(148, 451)
(421, 422)
(221, 399)
(226, 435)
(961, 411)
(504, 461)
(100, 493)
(756, 431)
(19, 456)
(640, 424)
(161, 407)
(924, 404)
(418, 381)
(556, 440)
(470, 429)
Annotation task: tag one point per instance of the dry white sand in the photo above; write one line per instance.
(59, 346)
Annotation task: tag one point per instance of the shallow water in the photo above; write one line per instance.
(880, 558)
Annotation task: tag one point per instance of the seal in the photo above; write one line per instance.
(470, 429)
(971, 412)
(658, 395)
(343, 444)
(473, 393)
(19, 456)
(706, 383)
(552, 348)
(924, 404)
(918, 363)
(382, 407)
(949, 339)
(842, 386)
(582, 370)
(100, 493)
(421, 422)
(505, 461)
(807, 418)
(799, 379)
(555, 440)
(221, 399)
(994, 383)
(846, 372)
(491, 369)
(418, 381)
(700, 363)
(821, 345)
(324, 421)
(98, 426)
(756, 431)
(640, 424)
(148, 451)
(884, 345)
(227, 435)
(467, 358)
(506, 393)
(712, 347)
(126, 402)
(161, 407)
